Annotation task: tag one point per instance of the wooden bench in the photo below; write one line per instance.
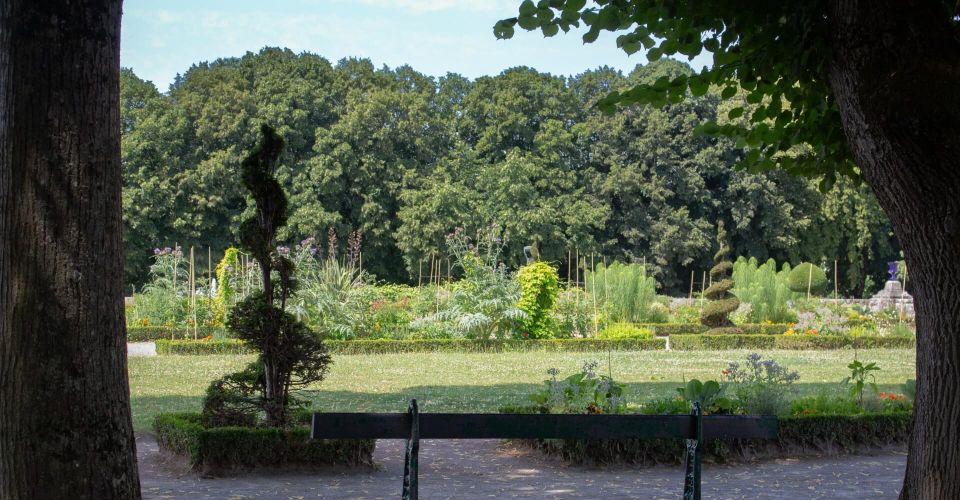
(414, 426)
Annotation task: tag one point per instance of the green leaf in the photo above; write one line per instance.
(728, 92)
(698, 86)
(735, 113)
(527, 9)
(708, 128)
(550, 30)
(654, 54)
(591, 36)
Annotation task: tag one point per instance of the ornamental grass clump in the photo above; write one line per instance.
(716, 313)
(291, 356)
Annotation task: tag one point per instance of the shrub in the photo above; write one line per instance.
(483, 304)
(573, 313)
(763, 386)
(808, 274)
(621, 331)
(153, 333)
(741, 341)
(625, 292)
(716, 312)
(291, 355)
(764, 289)
(225, 449)
(539, 287)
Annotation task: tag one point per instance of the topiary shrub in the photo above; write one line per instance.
(807, 273)
(623, 331)
(291, 355)
(716, 312)
(539, 287)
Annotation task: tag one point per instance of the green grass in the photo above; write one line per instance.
(464, 382)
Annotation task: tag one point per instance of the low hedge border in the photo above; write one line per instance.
(223, 450)
(233, 346)
(670, 329)
(790, 342)
(154, 333)
(799, 436)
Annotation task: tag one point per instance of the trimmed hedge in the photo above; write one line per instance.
(153, 333)
(820, 435)
(225, 449)
(385, 346)
(793, 342)
(670, 329)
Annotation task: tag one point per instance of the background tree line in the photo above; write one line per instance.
(405, 158)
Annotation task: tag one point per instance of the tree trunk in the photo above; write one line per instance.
(65, 428)
(896, 77)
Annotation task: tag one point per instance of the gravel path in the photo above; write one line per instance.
(141, 349)
(490, 469)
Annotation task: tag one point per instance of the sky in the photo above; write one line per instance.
(161, 38)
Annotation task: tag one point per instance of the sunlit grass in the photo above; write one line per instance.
(466, 382)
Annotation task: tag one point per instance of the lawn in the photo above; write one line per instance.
(483, 382)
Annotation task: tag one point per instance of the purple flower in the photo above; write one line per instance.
(156, 251)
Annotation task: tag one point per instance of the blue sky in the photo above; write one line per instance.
(163, 38)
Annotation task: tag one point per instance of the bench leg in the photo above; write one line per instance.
(691, 483)
(411, 461)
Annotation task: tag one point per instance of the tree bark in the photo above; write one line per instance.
(896, 76)
(65, 425)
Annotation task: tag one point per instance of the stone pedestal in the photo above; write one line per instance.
(892, 296)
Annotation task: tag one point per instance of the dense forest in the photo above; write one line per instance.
(405, 158)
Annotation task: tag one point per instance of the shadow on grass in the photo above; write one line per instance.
(442, 398)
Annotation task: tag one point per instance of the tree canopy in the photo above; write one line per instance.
(406, 158)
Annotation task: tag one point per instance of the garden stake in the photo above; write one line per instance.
(809, 281)
(690, 296)
(836, 286)
(593, 271)
(703, 283)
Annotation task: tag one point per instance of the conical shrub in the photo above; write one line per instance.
(716, 313)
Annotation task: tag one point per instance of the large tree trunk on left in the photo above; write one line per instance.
(896, 76)
(65, 426)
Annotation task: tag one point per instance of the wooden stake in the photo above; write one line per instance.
(703, 284)
(836, 286)
(193, 292)
(606, 290)
(809, 280)
(568, 267)
(576, 279)
(419, 274)
(690, 296)
(593, 270)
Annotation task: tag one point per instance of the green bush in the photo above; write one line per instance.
(807, 272)
(625, 292)
(799, 436)
(794, 342)
(539, 287)
(387, 346)
(764, 289)
(224, 449)
(621, 331)
(722, 303)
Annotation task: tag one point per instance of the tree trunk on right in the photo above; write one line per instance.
(896, 76)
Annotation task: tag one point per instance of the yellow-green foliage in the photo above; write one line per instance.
(624, 331)
(625, 292)
(539, 287)
(226, 289)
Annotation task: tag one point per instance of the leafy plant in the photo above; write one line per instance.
(625, 292)
(765, 289)
(716, 313)
(483, 304)
(709, 394)
(539, 287)
(581, 392)
(763, 386)
(859, 374)
(622, 331)
(807, 276)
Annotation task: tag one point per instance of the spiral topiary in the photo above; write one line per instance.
(716, 313)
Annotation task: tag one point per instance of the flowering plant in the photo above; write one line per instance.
(581, 392)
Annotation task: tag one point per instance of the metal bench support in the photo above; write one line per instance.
(411, 462)
(691, 480)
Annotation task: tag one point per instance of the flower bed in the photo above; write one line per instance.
(153, 333)
(223, 450)
(799, 436)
